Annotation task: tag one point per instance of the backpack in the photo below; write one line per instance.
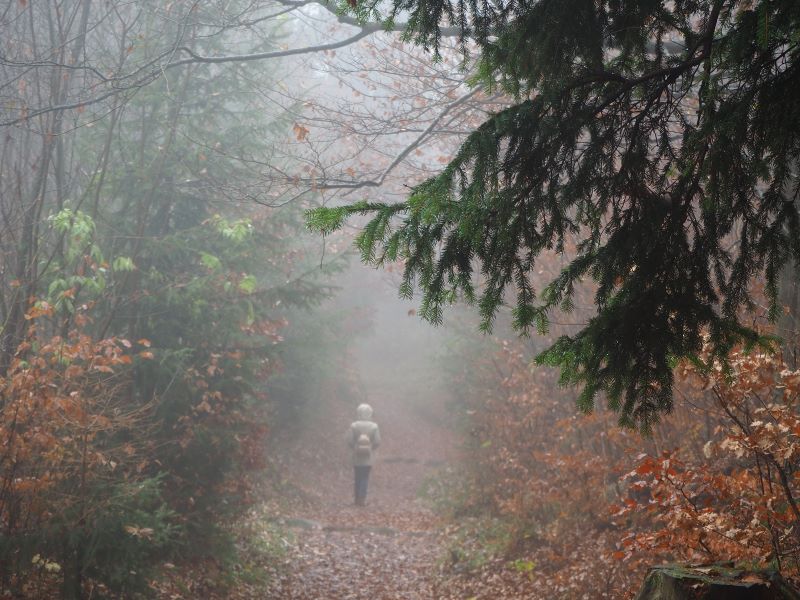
(363, 447)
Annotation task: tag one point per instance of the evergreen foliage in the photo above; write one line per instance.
(662, 135)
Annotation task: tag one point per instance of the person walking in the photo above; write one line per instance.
(363, 437)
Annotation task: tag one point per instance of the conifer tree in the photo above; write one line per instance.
(663, 135)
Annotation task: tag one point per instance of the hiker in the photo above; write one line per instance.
(363, 437)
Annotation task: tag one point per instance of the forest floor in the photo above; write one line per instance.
(388, 549)
(397, 547)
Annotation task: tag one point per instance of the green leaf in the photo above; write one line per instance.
(123, 263)
(248, 284)
(251, 313)
(211, 262)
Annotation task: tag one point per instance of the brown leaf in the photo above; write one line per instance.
(300, 132)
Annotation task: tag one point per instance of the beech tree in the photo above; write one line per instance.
(657, 141)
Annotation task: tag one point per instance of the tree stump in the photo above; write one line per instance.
(714, 582)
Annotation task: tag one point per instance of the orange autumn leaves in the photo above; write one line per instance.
(738, 499)
(587, 501)
(63, 399)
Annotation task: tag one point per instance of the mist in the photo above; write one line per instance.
(399, 301)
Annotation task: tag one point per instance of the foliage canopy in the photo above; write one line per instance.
(661, 137)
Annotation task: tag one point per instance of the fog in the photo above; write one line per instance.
(216, 381)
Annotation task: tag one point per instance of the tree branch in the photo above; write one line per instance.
(365, 30)
(406, 151)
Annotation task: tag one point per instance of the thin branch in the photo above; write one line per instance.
(406, 151)
(196, 58)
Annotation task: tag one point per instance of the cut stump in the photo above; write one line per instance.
(714, 582)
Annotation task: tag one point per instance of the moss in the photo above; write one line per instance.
(714, 582)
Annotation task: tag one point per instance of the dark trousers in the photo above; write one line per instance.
(362, 479)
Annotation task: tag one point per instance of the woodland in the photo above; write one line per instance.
(554, 243)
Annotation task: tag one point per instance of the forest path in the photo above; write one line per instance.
(389, 549)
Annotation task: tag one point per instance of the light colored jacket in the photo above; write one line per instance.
(363, 425)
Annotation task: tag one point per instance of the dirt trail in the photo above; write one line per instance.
(386, 550)
(389, 549)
